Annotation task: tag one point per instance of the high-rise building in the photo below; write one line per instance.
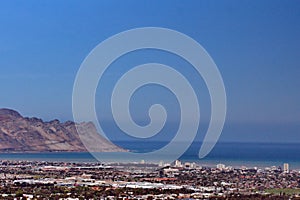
(286, 168)
(177, 163)
(161, 163)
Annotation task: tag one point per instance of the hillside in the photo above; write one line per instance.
(23, 134)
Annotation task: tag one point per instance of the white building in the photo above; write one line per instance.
(177, 163)
(286, 168)
(221, 166)
(193, 165)
(187, 165)
(161, 163)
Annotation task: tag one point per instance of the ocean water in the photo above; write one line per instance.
(230, 154)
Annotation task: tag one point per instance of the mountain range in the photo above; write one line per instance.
(31, 134)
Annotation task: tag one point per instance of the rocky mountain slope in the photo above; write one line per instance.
(23, 134)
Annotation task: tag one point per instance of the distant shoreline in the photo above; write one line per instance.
(118, 157)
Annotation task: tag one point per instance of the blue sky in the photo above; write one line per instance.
(255, 44)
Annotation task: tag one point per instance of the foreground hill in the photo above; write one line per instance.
(23, 134)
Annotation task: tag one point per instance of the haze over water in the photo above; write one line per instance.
(230, 154)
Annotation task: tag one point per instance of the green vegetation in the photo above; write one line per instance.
(283, 191)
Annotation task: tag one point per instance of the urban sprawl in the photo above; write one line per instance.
(60, 180)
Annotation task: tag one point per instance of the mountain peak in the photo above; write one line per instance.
(9, 112)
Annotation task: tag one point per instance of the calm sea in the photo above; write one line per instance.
(232, 154)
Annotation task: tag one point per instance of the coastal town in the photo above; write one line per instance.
(178, 180)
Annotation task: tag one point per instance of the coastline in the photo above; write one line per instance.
(116, 157)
